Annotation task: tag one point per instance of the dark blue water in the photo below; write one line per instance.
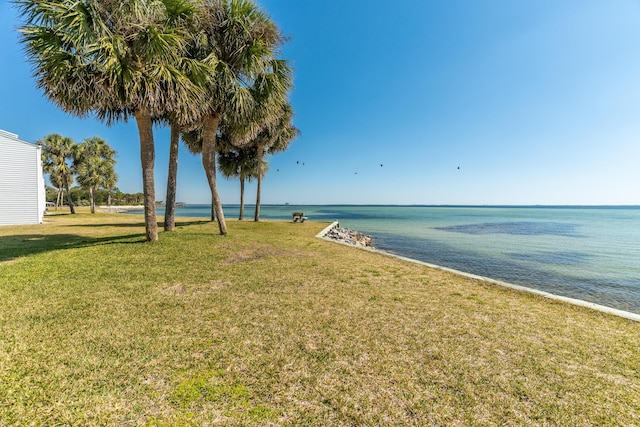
(588, 253)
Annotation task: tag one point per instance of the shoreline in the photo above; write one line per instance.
(602, 308)
(117, 208)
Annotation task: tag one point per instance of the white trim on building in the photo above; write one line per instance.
(22, 191)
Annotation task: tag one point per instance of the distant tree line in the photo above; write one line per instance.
(81, 197)
(209, 69)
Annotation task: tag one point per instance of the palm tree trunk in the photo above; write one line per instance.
(59, 199)
(92, 200)
(256, 217)
(147, 157)
(209, 162)
(72, 209)
(241, 217)
(170, 204)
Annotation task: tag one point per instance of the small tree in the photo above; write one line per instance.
(243, 164)
(94, 163)
(57, 158)
(276, 136)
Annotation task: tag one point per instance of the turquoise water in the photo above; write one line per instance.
(588, 253)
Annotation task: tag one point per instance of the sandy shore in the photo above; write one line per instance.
(117, 208)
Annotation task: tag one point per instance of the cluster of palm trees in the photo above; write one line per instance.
(209, 69)
(91, 162)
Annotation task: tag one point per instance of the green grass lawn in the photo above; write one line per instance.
(271, 326)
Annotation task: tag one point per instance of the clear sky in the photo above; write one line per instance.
(460, 101)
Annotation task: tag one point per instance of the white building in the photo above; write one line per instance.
(22, 191)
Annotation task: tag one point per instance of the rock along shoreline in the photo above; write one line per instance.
(350, 237)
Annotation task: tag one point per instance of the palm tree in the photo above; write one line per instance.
(192, 139)
(241, 163)
(236, 41)
(94, 163)
(180, 14)
(57, 155)
(268, 125)
(172, 180)
(277, 134)
(118, 59)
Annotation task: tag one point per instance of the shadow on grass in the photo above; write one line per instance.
(19, 245)
(16, 246)
(139, 224)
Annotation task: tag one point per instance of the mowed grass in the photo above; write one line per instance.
(271, 326)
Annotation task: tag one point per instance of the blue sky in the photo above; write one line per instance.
(535, 101)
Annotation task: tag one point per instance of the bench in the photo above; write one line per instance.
(299, 217)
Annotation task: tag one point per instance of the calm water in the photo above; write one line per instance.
(589, 253)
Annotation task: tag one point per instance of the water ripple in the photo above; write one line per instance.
(521, 228)
(557, 258)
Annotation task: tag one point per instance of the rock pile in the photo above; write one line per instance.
(350, 237)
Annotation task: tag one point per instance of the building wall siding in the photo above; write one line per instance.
(22, 199)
